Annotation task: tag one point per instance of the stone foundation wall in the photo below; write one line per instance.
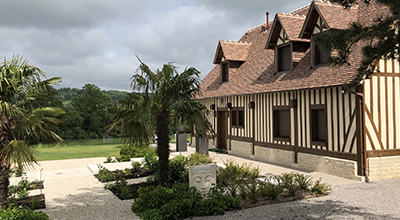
(241, 148)
(384, 168)
(271, 155)
(309, 162)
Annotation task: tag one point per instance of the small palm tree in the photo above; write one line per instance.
(21, 119)
(160, 98)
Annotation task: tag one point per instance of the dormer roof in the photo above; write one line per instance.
(327, 16)
(285, 28)
(231, 51)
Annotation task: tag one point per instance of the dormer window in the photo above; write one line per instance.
(320, 57)
(284, 58)
(225, 71)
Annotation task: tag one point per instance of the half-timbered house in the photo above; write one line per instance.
(274, 98)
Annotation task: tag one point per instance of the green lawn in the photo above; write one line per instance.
(82, 149)
(78, 149)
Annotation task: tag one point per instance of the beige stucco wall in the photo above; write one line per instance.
(384, 168)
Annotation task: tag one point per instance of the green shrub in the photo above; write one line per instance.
(36, 204)
(150, 161)
(197, 159)
(251, 191)
(178, 171)
(106, 175)
(320, 188)
(180, 202)
(303, 181)
(234, 173)
(136, 166)
(15, 213)
(287, 181)
(129, 151)
(271, 188)
(19, 192)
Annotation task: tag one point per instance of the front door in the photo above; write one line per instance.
(222, 130)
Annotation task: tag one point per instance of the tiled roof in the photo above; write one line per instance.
(334, 15)
(257, 73)
(232, 51)
(291, 25)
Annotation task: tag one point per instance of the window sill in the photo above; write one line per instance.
(319, 143)
(284, 139)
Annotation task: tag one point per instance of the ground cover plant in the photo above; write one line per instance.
(78, 149)
(21, 213)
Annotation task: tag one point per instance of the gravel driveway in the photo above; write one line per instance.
(73, 193)
(375, 200)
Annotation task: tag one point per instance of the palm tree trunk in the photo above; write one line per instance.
(162, 129)
(4, 182)
(5, 139)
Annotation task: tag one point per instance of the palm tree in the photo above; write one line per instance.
(160, 98)
(21, 119)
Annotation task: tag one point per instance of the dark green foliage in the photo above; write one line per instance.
(15, 213)
(178, 172)
(136, 166)
(106, 175)
(150, 161)
(180, 202)
(129, 151)
(377, 40)
(303, 181)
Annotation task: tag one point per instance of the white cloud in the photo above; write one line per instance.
(95, 41)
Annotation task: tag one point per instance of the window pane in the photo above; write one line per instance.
(241, 118)
(282, 123)
(284, 58)
(225, 71)
(234, 118)
(321, 57)
(318, 125)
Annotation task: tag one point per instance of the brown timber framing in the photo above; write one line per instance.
(342, 138)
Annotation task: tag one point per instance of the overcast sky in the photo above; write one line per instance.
(95, 41)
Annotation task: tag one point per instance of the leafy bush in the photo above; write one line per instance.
(234, 173)
(180, 202)
(320, 188)
(271, 188)
(287, 181)
(303, 181)
(197, 159)
(136, 166)
(178, 171)
(19, 192)
(15, 213)
(106, 175)
(150, 161)
(129, 151)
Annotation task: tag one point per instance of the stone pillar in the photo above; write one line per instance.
(181, 140)
(202, 145)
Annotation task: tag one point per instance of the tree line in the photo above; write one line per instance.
(87, 109)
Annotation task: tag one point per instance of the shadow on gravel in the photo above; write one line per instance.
(92, 203)
(304, 209)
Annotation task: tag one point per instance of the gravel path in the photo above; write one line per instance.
(73, 193)
(375, 200)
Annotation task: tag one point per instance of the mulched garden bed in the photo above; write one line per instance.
(32, 202)
(133, 189)
(133, 174)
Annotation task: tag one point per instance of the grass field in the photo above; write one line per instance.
(82, 149)
(78, 149)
